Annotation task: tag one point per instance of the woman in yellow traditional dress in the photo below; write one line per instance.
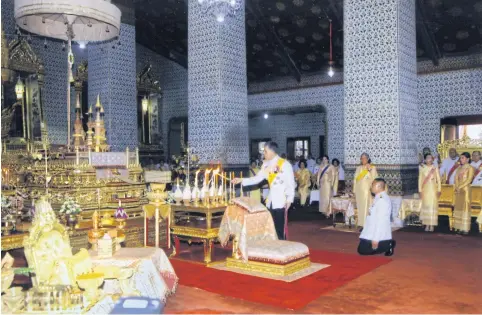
(429, 188)
(463, 178)
(255, 193)
(303, 176)
(327, 180)
(364, 176)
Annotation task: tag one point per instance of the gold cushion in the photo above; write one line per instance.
(250, 204)
(276, 251)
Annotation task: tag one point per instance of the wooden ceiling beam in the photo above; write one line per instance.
(273, 39)
(426, 34)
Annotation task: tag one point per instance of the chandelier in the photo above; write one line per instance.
(220, 8)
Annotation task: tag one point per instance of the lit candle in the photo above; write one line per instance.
(195, 179)
(127, 157)
(90, 156)
(241, 184)
(230, 183)
(225, 188)
(137, 156)
(77, 157)
(233, 191)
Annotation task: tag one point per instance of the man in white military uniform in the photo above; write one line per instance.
(281, 180)
(376, 237)
(449, 166)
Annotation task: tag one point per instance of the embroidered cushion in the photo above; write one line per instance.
(276, 251)
(249, 204)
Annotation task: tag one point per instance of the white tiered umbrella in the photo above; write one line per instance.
(80, 20)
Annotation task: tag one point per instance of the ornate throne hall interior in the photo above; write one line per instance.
(108, 119)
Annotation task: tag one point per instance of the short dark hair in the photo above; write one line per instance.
(325, 156)
(302, 161)
(476, 151)
(273, 146)
(335, 160)
(380, 180)
(427, 154)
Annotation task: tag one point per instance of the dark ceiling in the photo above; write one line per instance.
(291, 37)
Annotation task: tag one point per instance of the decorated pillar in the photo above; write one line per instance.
(380, 86)
(217, 87)
(112, 76)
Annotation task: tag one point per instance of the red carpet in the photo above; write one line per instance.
(200, 311)
(294, 295)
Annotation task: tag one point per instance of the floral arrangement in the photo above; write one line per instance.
(70, 207)
(120, 213)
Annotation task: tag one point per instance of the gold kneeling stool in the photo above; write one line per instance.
(273, 257)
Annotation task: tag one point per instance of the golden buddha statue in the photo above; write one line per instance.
(48, 251)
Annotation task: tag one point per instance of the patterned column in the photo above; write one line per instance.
(380, 86)
(217, 87)
(112, 75)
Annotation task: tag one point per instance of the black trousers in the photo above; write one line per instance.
(279, 222)
(365, 247)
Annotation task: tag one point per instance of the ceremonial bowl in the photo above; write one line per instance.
(90, 282)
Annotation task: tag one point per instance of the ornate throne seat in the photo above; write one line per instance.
(274, 257)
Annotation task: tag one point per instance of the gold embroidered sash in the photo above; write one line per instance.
(362, 174)
(273, 173)
(428, 177)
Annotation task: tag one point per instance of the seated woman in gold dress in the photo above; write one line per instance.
(429, 188)
(463, 178)
(303, 176)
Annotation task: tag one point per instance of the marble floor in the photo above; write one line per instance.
(430, 273)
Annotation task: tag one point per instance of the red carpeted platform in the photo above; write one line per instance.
(294, 295)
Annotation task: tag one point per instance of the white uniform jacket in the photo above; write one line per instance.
(377, 223)
(282, 189)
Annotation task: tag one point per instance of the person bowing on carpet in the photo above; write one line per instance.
(376, 237)
(281, 180)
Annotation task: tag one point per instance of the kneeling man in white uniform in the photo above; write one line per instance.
(376, 237)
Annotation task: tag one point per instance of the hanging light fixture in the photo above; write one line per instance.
(220, 8)
(331, 71)
(82, 43)
(145, 104)
(19, 88)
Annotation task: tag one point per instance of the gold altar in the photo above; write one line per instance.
(196, 224)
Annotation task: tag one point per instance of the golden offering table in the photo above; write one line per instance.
(346, 206)
(245, 227)
(198, 224)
